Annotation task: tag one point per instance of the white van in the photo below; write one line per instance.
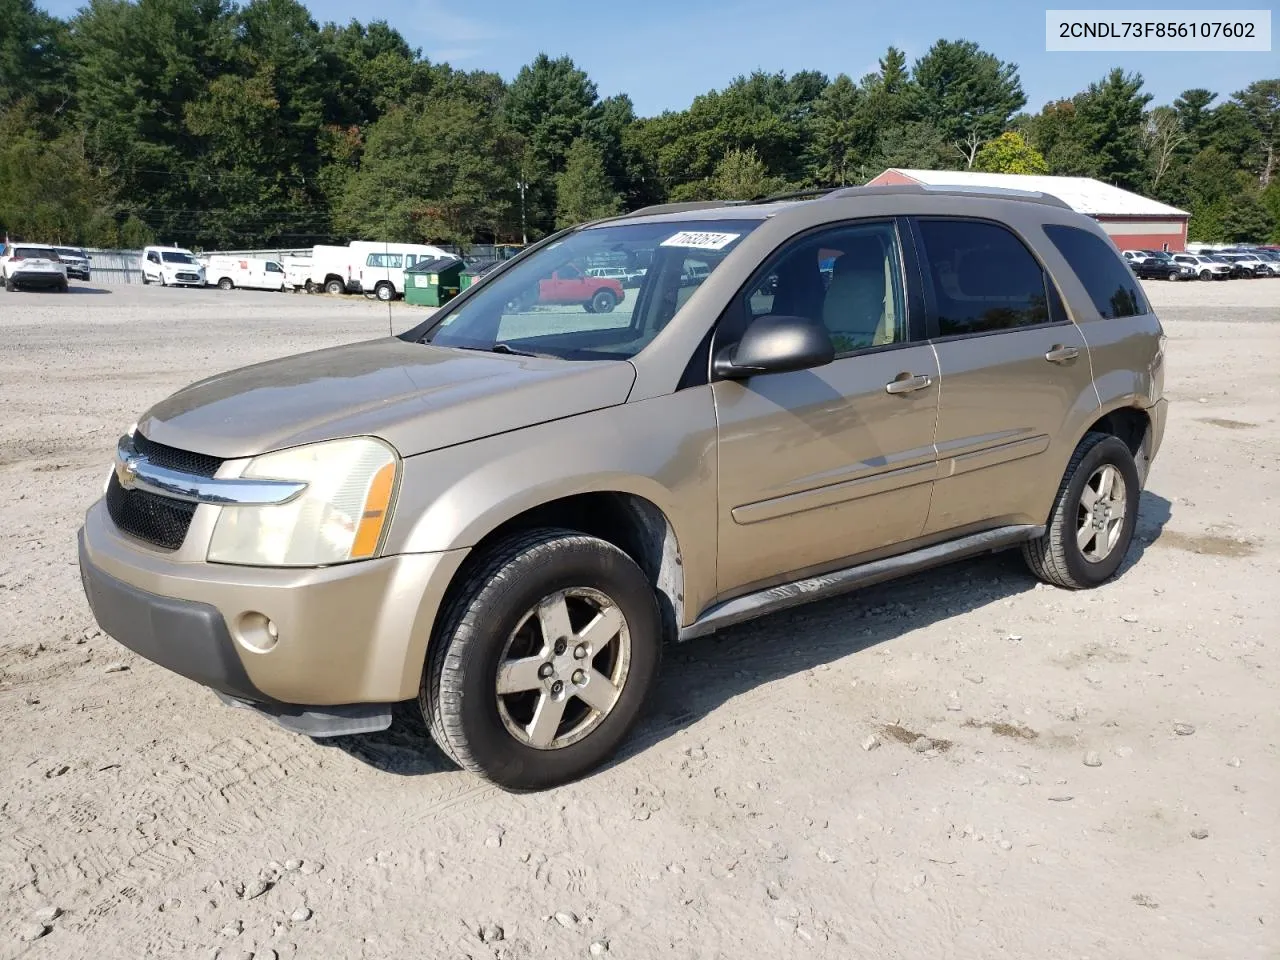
(331, 269)
(297, 272)
(253, 273)
(171, 267)
(379, 267)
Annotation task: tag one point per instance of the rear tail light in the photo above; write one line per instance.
(16, 259)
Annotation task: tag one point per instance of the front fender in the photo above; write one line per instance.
(662, 449)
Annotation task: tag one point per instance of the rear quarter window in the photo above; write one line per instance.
(1112, 287)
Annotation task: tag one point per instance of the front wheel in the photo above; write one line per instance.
(1206, 275)
(1172, 276)
(543, 659)
(603, 301)
(1093, 516)
(385, 292)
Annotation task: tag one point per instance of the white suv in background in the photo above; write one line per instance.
(27, 265)
(171, 267)
(1206, 268)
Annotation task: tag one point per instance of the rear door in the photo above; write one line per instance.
(1014, 373)
(820, 466)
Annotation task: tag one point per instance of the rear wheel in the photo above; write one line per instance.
(334, 286)
(1093, 516)
(603, 302)
(543, 659)
(63, 287)
(8, 286)
(226, 284)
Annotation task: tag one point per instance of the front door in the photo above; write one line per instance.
(820, 466)
(1015, 374)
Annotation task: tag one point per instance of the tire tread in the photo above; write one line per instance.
(1046, 555)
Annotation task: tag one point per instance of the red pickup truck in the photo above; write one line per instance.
(569, 285)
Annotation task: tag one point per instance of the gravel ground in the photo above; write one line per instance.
(963, 764)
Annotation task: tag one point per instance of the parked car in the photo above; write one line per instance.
(569, 286)
(1154, 268)
(27, 266)
(1271, 257)
(77, 262)
(171, 267)
(1250, 264)
(506, 516)
(254, 273)
(1206, 267)
(1136, 256)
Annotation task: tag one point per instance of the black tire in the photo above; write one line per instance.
(334, 286)
(1172, 276)
(226, 284)
(1206, 275)
(8, 286)
(63, 287)
(603, 301)
(385, 292)
(1055, 557)
(588, 307)
(458, 694)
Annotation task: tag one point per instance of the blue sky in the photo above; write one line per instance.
(665, 52)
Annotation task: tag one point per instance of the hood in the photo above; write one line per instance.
(415, 396)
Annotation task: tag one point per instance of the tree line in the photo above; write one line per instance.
(213, 124)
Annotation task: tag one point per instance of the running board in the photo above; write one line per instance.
(752, 605)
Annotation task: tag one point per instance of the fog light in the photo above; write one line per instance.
(257, 632)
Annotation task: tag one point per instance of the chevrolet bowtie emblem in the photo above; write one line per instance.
(127, 471)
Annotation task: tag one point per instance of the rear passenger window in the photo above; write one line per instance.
(1112, 287)
(983, 278)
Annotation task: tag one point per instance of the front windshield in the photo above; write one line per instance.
(171, 257)
(556, 304)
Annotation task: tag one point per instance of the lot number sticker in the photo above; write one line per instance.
(701, 241)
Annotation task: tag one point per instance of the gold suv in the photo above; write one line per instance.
(507, 511)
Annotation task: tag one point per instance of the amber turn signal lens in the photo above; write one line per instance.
(376, 505)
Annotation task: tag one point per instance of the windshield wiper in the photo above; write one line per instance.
(507, 348)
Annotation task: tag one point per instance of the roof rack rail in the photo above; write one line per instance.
(1004, 193)
(805, 194)
(678, 207)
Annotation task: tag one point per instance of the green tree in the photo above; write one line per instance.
(967, 94)
(32, 58)
(1194, 115)
(583, 189)
(550, 104)
(1245, 219)
(839, 140)
(1059, 134)
(742, 175)
(49, 189)
(1009, 153)
(1260, 102)
(1111, 116)
(442, 168)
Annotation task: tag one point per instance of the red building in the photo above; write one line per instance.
(1133, 221)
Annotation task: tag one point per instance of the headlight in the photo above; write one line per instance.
(340, 516)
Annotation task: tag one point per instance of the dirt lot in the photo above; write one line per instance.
(1053, 775)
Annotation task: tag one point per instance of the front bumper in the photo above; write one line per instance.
(78, 273)
(349, 636)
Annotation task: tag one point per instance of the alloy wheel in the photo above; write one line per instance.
(563, 668)
(1100, 519)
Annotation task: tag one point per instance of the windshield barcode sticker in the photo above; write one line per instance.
(700, 241)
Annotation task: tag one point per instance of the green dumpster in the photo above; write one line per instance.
(432, 283)
(475, 270)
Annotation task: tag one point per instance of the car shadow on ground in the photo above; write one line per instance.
(73, 289)
(700, 675)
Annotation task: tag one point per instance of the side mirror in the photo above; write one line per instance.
(775, 344)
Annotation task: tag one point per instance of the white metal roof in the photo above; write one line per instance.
(1082, 194)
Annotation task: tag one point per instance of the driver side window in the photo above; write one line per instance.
(849, 278)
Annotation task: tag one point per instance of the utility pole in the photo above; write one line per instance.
(524, 237)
